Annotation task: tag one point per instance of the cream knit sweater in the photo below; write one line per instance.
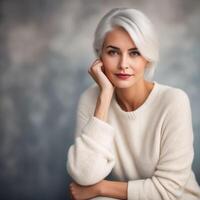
(151, 147)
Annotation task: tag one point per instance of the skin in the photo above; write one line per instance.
(119, 55)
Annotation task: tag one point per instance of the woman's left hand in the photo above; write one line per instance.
(79, 192)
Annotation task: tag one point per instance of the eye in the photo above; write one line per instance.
(112, 52)
(135, 53)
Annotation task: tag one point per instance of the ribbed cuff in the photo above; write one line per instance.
(100, 131)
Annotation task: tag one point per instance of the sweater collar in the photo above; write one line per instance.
(131, 115)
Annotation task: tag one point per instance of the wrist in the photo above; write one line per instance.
(114, 189)
(102, 106)
(107, 92)
(101, 187)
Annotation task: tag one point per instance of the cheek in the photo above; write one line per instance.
(139, 65)
(109, 63)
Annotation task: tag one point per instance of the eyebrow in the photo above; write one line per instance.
(113, 47)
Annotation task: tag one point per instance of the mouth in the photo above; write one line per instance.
(123, 76)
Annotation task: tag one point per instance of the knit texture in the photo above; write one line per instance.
(151, 147)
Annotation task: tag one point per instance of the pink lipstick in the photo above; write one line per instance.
(123, 76)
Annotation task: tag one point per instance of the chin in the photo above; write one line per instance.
(123, 84)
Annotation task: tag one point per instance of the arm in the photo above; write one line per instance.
(105, 188)
(102, 106)
(106, 90)
(114, 189)
(90, 158)
(176, 155)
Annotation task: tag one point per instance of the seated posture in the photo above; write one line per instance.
(129, 125)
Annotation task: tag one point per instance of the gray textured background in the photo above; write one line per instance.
(45, 51)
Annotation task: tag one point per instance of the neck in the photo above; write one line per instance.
(131, 98)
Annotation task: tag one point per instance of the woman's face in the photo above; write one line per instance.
(123, 63)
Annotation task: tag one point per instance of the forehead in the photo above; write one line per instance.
(119, 37)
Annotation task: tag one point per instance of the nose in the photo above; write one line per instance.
(123, 64)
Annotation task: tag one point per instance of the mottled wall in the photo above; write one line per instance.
(45, 51)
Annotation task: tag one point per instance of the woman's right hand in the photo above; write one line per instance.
(97, 73)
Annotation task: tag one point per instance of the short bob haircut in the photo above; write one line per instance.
(140, 29)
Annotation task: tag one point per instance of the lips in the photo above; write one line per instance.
(123, 76)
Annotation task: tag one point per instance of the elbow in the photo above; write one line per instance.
(82, 177)
(86, 176)
(88, 167)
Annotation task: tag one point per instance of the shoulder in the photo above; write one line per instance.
(173, 96)
(89, 96)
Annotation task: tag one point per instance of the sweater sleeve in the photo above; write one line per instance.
(90, 158)
(176, 155)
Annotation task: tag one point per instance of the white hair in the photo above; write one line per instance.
(140, 29)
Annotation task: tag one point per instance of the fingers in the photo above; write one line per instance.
(98, 62)
(93, 76)
(71, 191)
(98, 74)
(95, 68)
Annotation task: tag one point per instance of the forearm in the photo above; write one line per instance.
(114, 189)
(102, 105)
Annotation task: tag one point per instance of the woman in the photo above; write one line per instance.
(138, 130)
